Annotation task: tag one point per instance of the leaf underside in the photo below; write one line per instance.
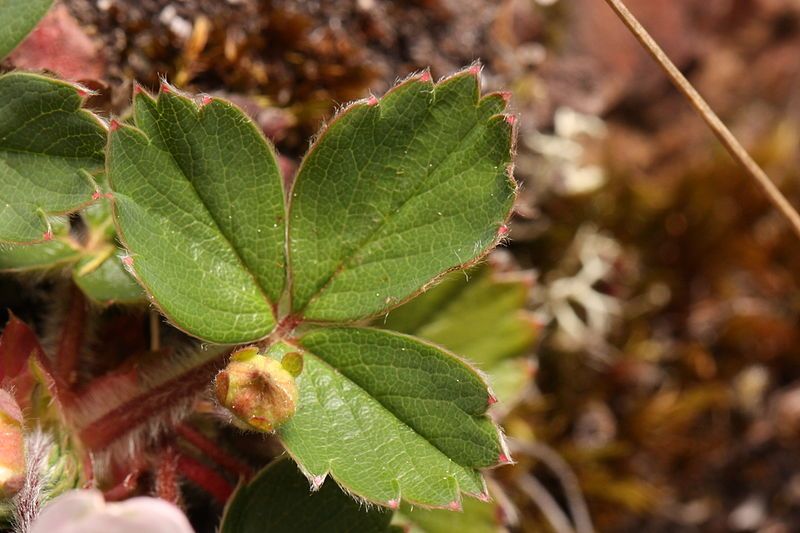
(390, 416)
(199, 206)
(394, 194)
(279, 499)
(18, 18)
(48, 145)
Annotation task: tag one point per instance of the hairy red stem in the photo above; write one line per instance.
(130, 415)
(167, 475)
(70, 341)
(125, 488)
(205, 478)
(213, 451)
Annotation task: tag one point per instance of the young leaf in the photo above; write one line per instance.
(199, 206)
(390, 416)
(19, 17)
(48, 144)
(107, 282)
(396, 192)
(279, 500)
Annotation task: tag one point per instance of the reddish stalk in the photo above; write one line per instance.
(213, 451)
(129, 416)
(282, 331)
(205, 478)
(70, 341)
(124, 489)
(167, 475)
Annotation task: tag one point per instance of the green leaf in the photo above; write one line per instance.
(509, 380)
(477, 517)
(97, 218)
(395, 193)
(199, 206)
(390, 416)
(481, 315)
(107, 281)
(47, 146)
(19, 18)
(279, 500)
(44, 256)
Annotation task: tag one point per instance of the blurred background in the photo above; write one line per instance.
(661, 286)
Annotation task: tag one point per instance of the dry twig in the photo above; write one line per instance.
(711, 119)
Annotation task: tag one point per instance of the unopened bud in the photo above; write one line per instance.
(12, 446)
(257, 389)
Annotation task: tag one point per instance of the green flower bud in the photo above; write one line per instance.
(258, 390)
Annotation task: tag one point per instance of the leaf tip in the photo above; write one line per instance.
(113, 125)
(372, 100)
(137, 89)
(492, 399)
(511, 119)
(506, 96)
(316, 482)
(475, 68)
(504, 459)
(393, 504)
(455, 505)
(205, 100)
(127, 260)
(425, 76)
(47, 235)
(503, 231)
(83, 91)
(164, 87)
(96, 195)
(484, 497)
